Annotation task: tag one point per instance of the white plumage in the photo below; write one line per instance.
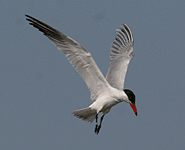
(105, 92)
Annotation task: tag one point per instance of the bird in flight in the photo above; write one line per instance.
(105, 92)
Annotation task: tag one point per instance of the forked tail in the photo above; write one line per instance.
(86, 114)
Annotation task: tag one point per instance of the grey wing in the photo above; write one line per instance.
(78, 56)
(120, 55)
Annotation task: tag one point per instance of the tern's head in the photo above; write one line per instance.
(132, 99)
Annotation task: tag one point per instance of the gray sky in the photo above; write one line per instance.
(39, 87)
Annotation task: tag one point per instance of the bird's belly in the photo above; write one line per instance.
(104, 103)
(107, 107)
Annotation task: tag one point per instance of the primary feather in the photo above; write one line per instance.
(121, 54)
(78, 56)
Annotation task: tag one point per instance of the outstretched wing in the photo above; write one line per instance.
(78, 56)
(120, 55)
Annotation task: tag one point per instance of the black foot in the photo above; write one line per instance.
(97, 129)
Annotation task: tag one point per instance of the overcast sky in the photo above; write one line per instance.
(39, 88)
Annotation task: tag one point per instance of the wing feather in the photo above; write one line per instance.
(120, 55)
(78, 56)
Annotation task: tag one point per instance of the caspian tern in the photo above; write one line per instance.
(105, 92)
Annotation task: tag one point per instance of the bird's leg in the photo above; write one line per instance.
(96, 127)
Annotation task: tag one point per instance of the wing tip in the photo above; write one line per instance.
(128, 31)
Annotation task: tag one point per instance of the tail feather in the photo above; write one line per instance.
(86, 114)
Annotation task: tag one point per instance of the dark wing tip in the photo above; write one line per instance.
(129, 32)
(30, 18)
(47, 30)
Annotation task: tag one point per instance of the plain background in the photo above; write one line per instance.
(39, 88)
